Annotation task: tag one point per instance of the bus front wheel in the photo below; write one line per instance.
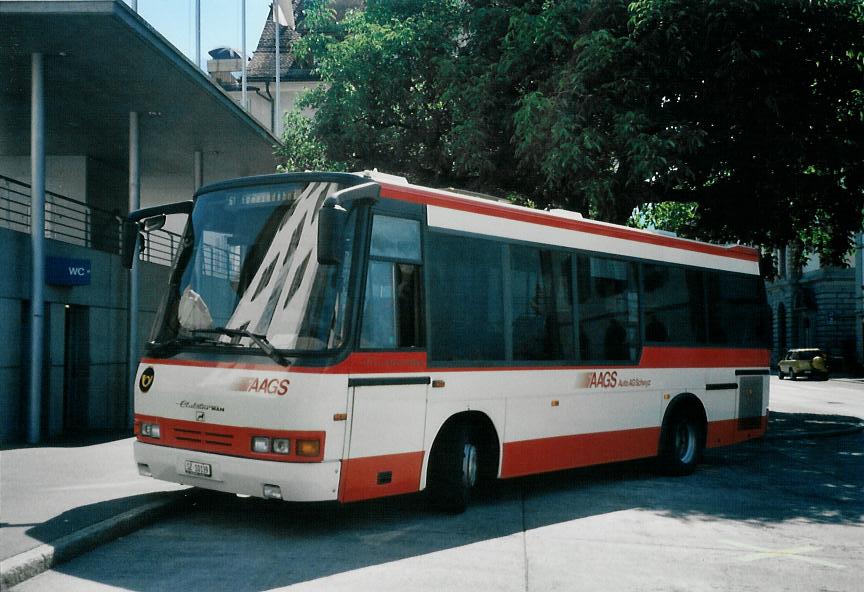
(454, 470)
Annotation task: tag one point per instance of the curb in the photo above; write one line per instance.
(31, 563)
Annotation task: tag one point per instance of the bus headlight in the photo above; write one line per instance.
(308, 447)
(151, 430)
(261, 444)
(281, 445)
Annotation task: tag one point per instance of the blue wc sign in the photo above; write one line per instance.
(63, 271)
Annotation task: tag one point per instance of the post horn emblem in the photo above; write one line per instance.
(146, 380)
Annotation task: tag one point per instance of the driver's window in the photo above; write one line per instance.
(392, 312)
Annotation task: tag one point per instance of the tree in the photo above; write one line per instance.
(301, 150)
(751, 113)
(382, 105)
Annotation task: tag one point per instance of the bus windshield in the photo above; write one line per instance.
(248, 273)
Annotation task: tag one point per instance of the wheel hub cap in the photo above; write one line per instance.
(469, 465)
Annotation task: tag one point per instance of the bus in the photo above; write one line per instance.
(348, 336)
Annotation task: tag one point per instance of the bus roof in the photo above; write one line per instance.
(396, 187)
(399, 188)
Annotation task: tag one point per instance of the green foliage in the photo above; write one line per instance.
(300, 149)
(671, 216)
(382, 104)
(749, 113)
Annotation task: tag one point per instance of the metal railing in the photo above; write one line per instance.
(75, 222)
(220, 263)
(160, 246)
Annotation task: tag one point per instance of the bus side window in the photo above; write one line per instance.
(541, 304)
(608, 309)
(392, 312)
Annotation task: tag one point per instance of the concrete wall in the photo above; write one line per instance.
(65, 175)
(97, 183)
(107, 187)
(826, 318)
(104, 379)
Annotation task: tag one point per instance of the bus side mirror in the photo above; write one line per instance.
(130, 239)
(131, 232)
(154, 223)
(332, 219)
(146, 220)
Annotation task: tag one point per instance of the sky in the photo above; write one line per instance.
(220, 23)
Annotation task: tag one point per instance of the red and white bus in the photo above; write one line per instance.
(336, 336)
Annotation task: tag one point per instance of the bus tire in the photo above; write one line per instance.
(454, 469)
(681, 442)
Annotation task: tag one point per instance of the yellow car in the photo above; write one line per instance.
(810, 362)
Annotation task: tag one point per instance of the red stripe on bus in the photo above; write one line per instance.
(491, 208)
(379, 476)
(545, 455)
(557, 453)
(225, 439)
(401, 362)
(704, 357)
(725, 432)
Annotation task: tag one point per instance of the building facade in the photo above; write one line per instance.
(818, 306)
(86, 135)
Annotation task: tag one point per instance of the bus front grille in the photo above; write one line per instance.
(209, 436)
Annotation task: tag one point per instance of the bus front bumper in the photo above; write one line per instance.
(300, 482)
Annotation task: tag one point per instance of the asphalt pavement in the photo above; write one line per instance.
(60, 501)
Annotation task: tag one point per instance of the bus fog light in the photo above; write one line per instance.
(308, 447)
(273, 492)
(281, 446)
(144, 470)
(261, 444)
(151, 430)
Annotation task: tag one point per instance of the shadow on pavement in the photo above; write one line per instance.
(794, 425)
(74, 520)
(74, 440)
(220, 542)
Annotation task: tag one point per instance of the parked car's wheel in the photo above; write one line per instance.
(780, 374)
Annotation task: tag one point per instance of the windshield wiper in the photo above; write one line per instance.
(259, 340)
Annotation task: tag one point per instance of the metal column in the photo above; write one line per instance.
(134, 204)
(277, 104)
(198, 33)
(198, 169)
(244, 98)
(37, 244)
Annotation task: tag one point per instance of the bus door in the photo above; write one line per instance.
(388, 408)
(385, 453)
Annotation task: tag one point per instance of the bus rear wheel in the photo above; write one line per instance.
(454, 470)
(681, 443)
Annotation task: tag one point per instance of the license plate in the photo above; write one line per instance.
(198, 469)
